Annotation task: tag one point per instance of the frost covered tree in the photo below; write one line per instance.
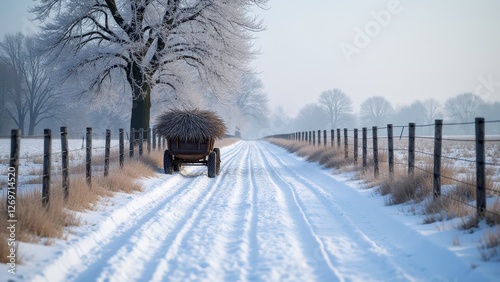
(33, 97)
(432, 110)
(11, 56)
(149, 43)
(252, 100)
(310, 117)
(464, 107)
(336, 105)
(376, 111)
(414, 112)
(7, 79)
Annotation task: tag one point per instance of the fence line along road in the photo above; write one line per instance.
(65, 156)
(479, 139)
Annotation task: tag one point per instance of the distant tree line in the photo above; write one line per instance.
(334, 109)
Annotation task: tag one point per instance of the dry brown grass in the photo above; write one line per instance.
(406, 188)
(445, 208)
(448, 172)
(456, 203)
(493, 215)
(489, 247)
(34, 221)
(328, 157)
(81, 197)
(123, 179)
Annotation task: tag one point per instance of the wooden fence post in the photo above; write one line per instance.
(153, 137)
(319, 137)
(159, 142)
(310, 137)
(390, 147)
(13, 174)
(122, 147)
(106, 152)
(436, 179)
(411, 148)
(324, 138)
(332, 133)
(47, 157)
(355, 146)
(149, 140)
(365, 146)
(65, 161)
(338, 137)
(346, 151)
(89, 156)
(141, 140)
(480, 168)
(131, 142)
(375, 152)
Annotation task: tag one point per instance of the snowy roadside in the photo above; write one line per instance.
(446, 234)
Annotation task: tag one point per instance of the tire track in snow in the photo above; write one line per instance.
(348, 242)
(172, 247)
(250, 228)
(212, 249)
(132, 242)
(125, 257)
(312, 245)
(276, 253)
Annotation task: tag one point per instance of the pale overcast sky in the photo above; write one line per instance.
(424, 49)
(402, 50)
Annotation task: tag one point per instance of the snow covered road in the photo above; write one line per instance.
(269, 216)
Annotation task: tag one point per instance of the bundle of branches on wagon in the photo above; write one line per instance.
(190, 136)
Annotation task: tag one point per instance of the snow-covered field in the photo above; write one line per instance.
(269, 216)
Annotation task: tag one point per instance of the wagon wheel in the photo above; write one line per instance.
(167, 162)
(217, 163)
(212, 164)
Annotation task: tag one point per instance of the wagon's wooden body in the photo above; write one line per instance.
(182, 152)
(190, 151)
(190, 137)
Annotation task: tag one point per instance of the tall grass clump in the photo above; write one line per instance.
(406, 188)
(489, 246)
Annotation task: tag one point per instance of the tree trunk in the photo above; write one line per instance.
(31, 126)
(141, 100)
(141, 107)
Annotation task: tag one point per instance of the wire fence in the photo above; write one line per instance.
(471, 157)
(87, 160)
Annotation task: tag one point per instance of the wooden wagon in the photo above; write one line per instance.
(190, 139)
